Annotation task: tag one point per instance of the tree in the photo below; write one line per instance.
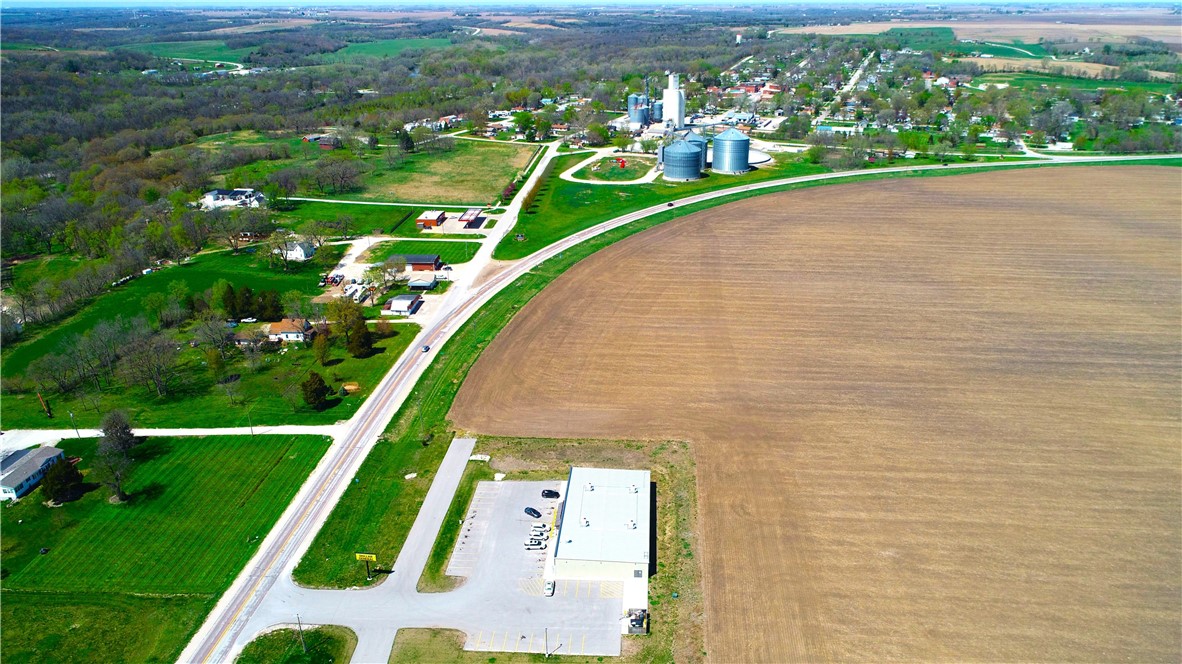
(150, 360)
(405, 142)
(112, 460)
(360, 340)
(343, 313)
(62, 482)
(320, 348)
(315, 391)
(293, 304)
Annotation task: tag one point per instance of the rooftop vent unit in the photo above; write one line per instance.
(586, 523)
(590, 486)
(631, 524)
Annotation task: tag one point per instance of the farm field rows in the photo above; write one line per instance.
(968, 391)
(159, 561)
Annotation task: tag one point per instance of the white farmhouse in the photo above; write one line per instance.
(294, 250)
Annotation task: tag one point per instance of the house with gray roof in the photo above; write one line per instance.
(21, 471)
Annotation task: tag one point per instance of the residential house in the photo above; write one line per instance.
(296, 250)
(220, 198)
(329, 142)
(289, 329)
(21, 471)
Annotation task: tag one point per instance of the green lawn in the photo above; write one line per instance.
(98, 627)
(609, 170)
(1012, 49)
(1028, 80)
(207, 49)
(563, 208)
(472, 174)
(434, 578)
(325, 645)
(54, 268)
(198, 274)
(162, 558)
(197, 401)
(452, 253)
(367, 219)
(383, 48)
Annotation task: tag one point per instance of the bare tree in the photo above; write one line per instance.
(212, 332)
(150, 360)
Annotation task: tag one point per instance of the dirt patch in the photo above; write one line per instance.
(935, 419)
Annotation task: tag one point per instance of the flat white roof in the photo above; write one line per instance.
(605, 516)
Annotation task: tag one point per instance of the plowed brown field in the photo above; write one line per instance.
(934, 418)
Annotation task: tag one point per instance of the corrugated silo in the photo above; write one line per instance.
(732, 151)
(699, 141)
(683, 161)
(658, 111)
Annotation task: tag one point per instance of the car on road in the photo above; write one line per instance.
(529, 510)
(426, 348)
(549, 493)
(549, 591)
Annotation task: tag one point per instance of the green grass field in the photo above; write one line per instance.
(609, 170)
(54, 268)
(329, 644)
(472, 174)
(197, 401)
(367, 219)
(164, 556)
(452, 253)
(434, 578)
(198, 274)
(207, 49)
(43, 627)
(563, 208)
(383, 48)
(1032, 80)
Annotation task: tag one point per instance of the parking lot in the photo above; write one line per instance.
(582, 618)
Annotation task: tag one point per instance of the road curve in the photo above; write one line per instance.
(293, 534)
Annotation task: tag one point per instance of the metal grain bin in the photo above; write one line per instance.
(699, 141)
(732, 151)
(658, 111)
(683, 161)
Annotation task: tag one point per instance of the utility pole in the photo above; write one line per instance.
(301, 626)
(76, 432)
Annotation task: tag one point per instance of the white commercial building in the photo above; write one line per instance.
(673, 100)
(605, 530)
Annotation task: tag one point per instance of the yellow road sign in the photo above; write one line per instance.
(367, 556)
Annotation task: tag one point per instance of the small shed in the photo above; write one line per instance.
(431, 219)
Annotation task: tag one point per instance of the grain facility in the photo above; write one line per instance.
(732, 150)
(682, 160)
(698, 141)
(673, 103)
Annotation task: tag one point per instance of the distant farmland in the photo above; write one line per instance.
(935, 419)
(208, 49)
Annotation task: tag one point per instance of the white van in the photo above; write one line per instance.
(535, 547)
